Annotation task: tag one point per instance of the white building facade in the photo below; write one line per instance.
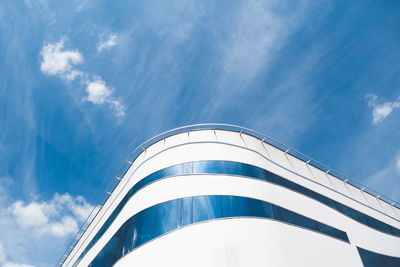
(223, 195)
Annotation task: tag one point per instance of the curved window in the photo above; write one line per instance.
(372, 259)
(174, 214)
(241, 170)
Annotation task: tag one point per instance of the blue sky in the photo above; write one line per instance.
(82, 83)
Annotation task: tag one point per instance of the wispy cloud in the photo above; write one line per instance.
(381, 111)
(2, 255)
(108, 43)
(57, 61)
(383, 180)
(257, 34)
(13, 264)
(398, 161)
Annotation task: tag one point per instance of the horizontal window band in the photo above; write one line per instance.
(172, 215)
(241, 170)
(372, 259)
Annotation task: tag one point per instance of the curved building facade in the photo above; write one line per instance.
(221, 195)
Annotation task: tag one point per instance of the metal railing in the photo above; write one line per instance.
(209, 126)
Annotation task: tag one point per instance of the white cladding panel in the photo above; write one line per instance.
(233, 146)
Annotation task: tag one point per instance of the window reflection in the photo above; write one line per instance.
(167, 217)
(144, 226)
(260, 208)
(206, 208)
(186, 211)
(235, 206)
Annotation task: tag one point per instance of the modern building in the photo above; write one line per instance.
(223, 195)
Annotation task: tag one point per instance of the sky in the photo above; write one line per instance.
(83, 82)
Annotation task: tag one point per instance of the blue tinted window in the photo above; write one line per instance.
(211, 167)
(206, 208)
(153, 177)
(144, 226)
(329, 230)
(235, 206)
(125, 243)
(167, 217)
(297, 219)
(187, 211)
(205, 167)
(172, 171)
(229, 167)
(253, 171)
(260, 208)
(187, 168)
(107, 255)
(372, 259)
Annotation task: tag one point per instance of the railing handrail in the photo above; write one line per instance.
(213, 126)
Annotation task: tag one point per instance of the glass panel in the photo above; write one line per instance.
(206, 208)
(211, 167)
(234, 206)
(188, 168)
(201, 167)
(277, 212)
(260, 208)
(270, 177)
(153, 177)
(372, 259)
(187, 211)
(328, 230)
(125, 243)
(167, 217)
(172, 171)
(229, 167)
(297, 219)
(144, 227)
(253, 171)
(106, 256)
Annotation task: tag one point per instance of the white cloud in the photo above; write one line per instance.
(13, 264)
(380, 112)
(28, 216)
(110, 42)
(67, 226)
(99, 93)
(56, 61)
(58, 217)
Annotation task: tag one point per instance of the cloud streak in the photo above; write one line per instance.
(382, 111)
(110, 42)
(384, 179)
